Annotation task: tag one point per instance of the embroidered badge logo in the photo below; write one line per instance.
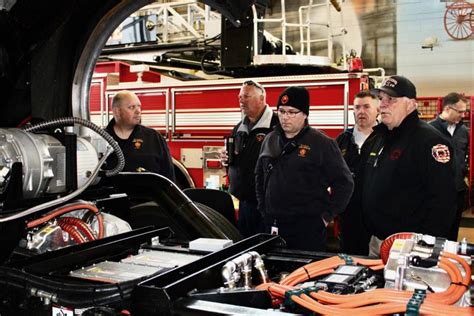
(137, 143)
(390, 82)
(284, 99)
(441, 153)
(303, 150)
(260, 137)
(395, 154)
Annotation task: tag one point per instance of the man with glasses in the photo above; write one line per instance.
(302, 180)
(354, 236)
(450, 124)
(248, 136)
(407, 171)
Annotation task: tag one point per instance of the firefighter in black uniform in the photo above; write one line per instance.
(247, 137)
(302, 180)
(144, 148)
(407, 174)
(354, 236)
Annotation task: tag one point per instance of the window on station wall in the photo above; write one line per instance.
(386, 53)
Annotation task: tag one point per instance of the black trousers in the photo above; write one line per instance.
(354, 236)
(453, 235)
(300, 233)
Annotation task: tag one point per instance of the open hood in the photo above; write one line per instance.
(47, 55)
(39, 51)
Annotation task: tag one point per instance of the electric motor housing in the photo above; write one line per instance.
(43, 159)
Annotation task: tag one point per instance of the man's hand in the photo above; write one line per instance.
(224, 158)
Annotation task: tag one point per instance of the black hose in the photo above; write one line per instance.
(76, 120)
(75, 294)
(466, 249)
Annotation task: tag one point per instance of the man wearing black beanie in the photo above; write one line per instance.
(302, 180)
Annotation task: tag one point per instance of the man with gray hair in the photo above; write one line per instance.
(144, 148)
(248, 136)
(407, 173)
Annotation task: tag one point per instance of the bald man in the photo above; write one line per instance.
(145, 150)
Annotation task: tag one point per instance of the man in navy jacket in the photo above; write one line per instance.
(301, 178)
(450, 124)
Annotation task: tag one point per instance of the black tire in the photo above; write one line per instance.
(150, 213)
(220, 221)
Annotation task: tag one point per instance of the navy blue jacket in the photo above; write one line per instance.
(460, 141)
(349, 149)
(293, 176)
(247, 147)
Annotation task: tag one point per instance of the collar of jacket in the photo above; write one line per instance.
(110, 128)
(349, 131)
(445, 123)
(411, 120)
(264, 121)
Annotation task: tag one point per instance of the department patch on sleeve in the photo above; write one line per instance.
(441, 153)
(260, 137)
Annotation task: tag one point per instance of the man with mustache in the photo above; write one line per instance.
(407, 173)
(450, 124)
(248, 136)
(302, 180)
(144, 148)
(354, 236)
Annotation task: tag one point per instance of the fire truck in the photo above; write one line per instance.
(196, 116)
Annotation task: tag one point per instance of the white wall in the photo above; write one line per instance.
(448, 67)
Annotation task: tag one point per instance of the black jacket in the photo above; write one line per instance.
(246, 149)
(460, 141)
(144, 150)
(407, 180)
(349, 149)
(293, 176)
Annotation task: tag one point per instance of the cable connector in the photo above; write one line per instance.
(413, 305)
(348, 259)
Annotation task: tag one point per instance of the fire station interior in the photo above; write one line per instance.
(79, 238)
(143, 50)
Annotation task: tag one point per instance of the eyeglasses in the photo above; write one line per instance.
(456, 110)
(388, 99)
(255, 84)
(291, 114)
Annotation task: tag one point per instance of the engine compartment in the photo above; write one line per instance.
(87, 239)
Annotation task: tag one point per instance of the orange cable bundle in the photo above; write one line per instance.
(378, 301)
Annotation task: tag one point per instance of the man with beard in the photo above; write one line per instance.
(354, 236)
(302, 180)
(144, 148)
(248, 136)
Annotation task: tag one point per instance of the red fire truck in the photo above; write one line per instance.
(195, 116)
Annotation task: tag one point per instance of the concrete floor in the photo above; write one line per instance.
(467, 225)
